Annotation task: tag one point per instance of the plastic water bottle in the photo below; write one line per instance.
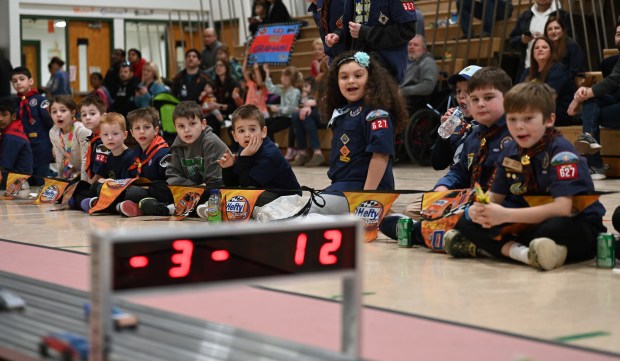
(454, 120)
(453, 18)
(213, 206)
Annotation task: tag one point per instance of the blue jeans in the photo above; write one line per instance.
(308, 126)
(600, 111)
(479, 9)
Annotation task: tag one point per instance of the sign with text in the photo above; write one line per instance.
(273, 43)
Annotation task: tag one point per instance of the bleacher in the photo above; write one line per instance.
(452, 54)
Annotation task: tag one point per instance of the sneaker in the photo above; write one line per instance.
(316, 161)
(290, 154)
(545, 254)
(88, 203)
(597, 173)
(388, 225)
(458, 246)
(153, 207)
(128, 209)
(302, 158)
(586, 144)
(202, 211)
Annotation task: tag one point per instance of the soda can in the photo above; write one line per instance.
(605, 250)
(403, 232)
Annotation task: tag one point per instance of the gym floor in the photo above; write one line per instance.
(576, 305)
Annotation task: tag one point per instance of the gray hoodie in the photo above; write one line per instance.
(194, 164)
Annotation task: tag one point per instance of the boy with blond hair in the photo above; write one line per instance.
(539, 161)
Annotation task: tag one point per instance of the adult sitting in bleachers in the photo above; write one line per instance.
(421, 75)
(276, 12)
(137, 62)
(545, 68)
(601, 106)
(569, 52)
(531, 25)
(150, 86)
(224, 86)
(189, 82)
(223, 53)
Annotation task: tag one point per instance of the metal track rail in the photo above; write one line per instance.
(160, 335)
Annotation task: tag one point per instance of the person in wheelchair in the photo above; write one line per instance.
(445, 152)
(421, 75)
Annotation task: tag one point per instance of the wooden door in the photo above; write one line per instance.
(97, 36)
(31, 55)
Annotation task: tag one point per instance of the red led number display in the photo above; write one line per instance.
(210, 259)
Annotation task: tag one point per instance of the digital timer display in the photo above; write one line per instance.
(162, 262)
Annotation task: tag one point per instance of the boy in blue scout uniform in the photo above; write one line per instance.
(382, 27)
(259, 162)
(539, 162)
(481, 148)
(37, 122)
(15, 152)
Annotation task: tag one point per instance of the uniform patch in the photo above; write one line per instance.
(339, 23)
(344, 151)
(45, 104)
(518, 189)
(377, 114)
(567, 171)
(356, 112)
(344, 139)
(470, 160)
(383, 19)
(379, 124)
(512, 165)
(33, 102)
(545, 162)
(502, 143)
(165, 160)
(408, 5)
(564, 158)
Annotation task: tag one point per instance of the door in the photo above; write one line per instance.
(31, 55)
(89, 51)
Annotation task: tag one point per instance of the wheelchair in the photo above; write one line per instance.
(421, 131)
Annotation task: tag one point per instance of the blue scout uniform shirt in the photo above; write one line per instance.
(15, 156)
(334, 23)
(558, 170)
(446, 152)
(460, 173)
(155, 169)
(98, 156)
(266, 169)
(358, 132)
(117, 167)
(387, 27)
(39, 131)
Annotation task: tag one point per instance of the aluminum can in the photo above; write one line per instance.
(605, 250)
(403, 232)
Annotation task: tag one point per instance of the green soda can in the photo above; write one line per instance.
(403, 232)
(605, 250)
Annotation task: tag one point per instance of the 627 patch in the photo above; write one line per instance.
(379, 124)
(567, 171)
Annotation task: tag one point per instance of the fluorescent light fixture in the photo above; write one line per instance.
(60, 24)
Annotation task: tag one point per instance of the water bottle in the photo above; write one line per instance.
(453, 18)
(454, 120)
(213, 206)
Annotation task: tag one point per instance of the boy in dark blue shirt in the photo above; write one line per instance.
(37, 122)
(259, 163)
(113, 134)
(150, 160)
(15, 152)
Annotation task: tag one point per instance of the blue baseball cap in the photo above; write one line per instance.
(464, 74)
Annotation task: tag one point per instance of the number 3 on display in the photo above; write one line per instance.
(325, 255)
(183, 259)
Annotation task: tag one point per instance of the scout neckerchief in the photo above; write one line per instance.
(525, 155)
(89, 152)
(157, 144)
(483, 153)
(24, 108)
(16, 128)
(67, 150)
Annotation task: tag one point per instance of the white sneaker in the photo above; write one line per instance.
(202, 211)
(597, 173)
(545, 254)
